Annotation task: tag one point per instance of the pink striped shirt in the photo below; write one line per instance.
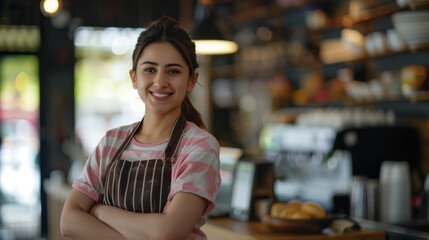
(196, 169)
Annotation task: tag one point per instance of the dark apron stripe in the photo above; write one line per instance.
(110, 192)
(134, 187)
(118, 187)
(151, 185)
(113, 185)
(167, 184)
(162, 185)
(143, 188)
(139, 184)
(128, 183)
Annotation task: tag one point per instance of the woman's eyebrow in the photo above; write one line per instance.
(149, 62)
(174, 65)
(167, 65)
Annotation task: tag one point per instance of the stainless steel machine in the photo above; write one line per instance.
(318, 163)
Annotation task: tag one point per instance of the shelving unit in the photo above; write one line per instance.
(349, 20)
(366, 21)
(365, 16)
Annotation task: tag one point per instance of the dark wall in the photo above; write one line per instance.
(56, 63)
(113, 13)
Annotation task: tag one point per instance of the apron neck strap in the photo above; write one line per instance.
(175, 137)
(126, 141)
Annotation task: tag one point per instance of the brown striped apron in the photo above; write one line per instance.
(142, 186)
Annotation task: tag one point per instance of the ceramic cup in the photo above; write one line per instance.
(395, 192)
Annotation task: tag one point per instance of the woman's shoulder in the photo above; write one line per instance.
(194, 133)
(119, 133)
(199, 145)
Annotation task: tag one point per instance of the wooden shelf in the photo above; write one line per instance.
(236, 70)
(274, 10)
(368, 57)
(371, 14)
(365, 16)
(422, 96)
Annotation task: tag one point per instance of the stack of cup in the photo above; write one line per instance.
(395, 192)
(358, 196)
(364, 198)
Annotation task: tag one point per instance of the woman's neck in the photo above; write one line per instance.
(155, 128)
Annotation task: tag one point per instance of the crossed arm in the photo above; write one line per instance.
(82, 218)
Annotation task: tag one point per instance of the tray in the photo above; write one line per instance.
(301, 226)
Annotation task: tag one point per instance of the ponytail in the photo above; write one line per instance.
(191, 114)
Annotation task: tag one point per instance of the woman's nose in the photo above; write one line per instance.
(160, 80)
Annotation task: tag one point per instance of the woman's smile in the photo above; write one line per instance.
(161, 96)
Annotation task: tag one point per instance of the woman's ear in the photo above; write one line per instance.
(133, 78)
(192, 81)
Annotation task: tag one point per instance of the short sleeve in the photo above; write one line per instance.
(90, 179)
(197, 170)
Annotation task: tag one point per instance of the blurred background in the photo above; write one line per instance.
(304, 74)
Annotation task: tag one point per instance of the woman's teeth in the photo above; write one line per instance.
(160, 95)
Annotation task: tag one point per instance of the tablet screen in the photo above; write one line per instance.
(242, 190)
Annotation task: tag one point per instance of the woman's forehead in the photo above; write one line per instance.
(162, 52)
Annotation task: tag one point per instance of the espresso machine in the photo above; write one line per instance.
(318, 163)
(307, 166)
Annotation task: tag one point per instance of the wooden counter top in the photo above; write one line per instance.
(230, 229)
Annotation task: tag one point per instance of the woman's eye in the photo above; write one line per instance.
(149, 70)
(173, 71)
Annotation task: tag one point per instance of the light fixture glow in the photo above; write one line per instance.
(211, 36)
(50, 7)
(215, 47)
(121, 45)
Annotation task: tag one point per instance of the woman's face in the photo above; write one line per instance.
(162, 78)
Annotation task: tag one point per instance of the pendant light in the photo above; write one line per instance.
(50, 8)
(207, 35)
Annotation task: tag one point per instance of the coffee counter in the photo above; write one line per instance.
(230, 229)
(215, 228)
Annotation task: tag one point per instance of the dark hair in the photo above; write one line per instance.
(166, 29)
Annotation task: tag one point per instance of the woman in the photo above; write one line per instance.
(156, 179)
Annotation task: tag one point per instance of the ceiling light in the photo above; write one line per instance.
(50, 8)
(208, 36)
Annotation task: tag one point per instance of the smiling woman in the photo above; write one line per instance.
(157, 178)
(162, 81)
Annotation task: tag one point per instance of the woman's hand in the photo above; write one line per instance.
(77, 223)
(176, 222)
(96, 210)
